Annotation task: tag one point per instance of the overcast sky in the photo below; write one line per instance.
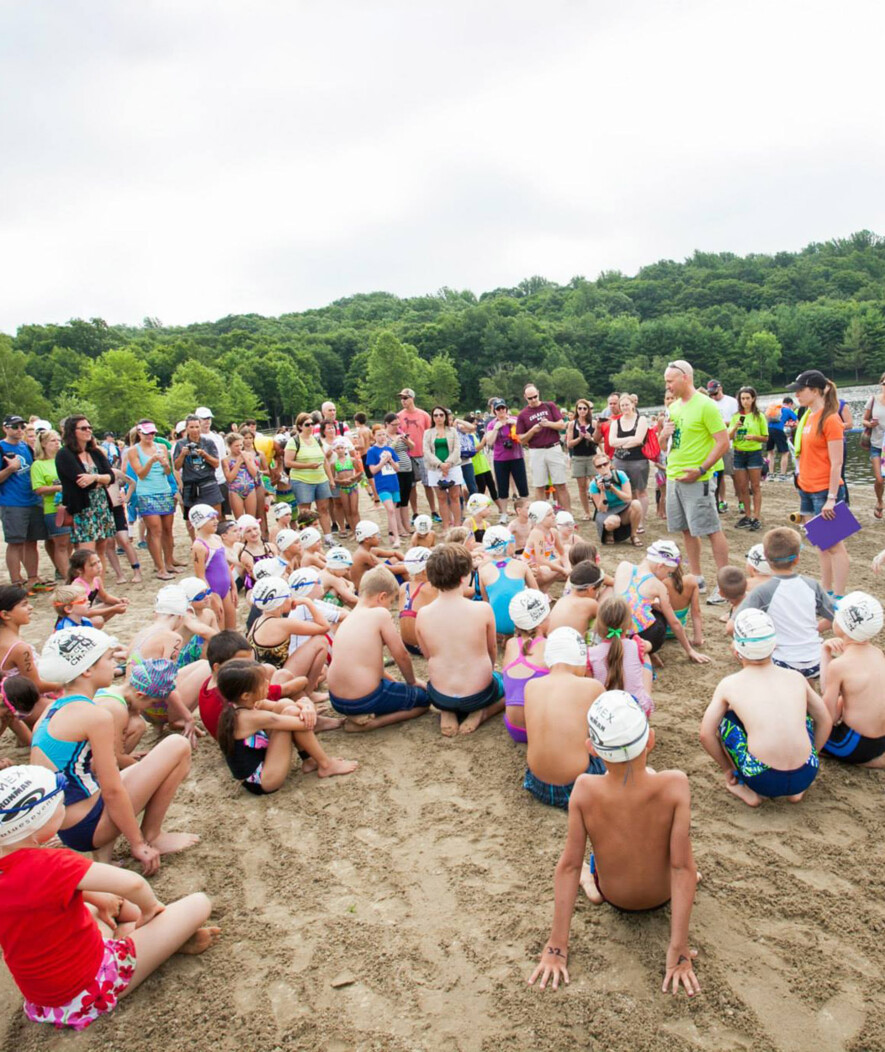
(188, 159)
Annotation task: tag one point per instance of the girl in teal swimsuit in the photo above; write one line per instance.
(685, 598)
(502, 576)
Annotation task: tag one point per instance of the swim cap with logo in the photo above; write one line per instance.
(338, 558)
(423, 524)
(496, 538)
(304, 579)
(365, 529)
(529, 608)
(415, 559)
(664, 552)
(29, 796)
(273, 566)
(565, 646)
(618, 727)
(477, 502)
(270, 593)
(539, 510)
(310, 536)
(70, 652)
(246, 522)
(756, 559)
(286, 538)
(200, 514)
(755, 636)
(859, 615)
(281, 510)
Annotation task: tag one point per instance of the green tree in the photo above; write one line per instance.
(118, 385)
(442, 384)
(568, 385)
(19, 393)
(391, 366)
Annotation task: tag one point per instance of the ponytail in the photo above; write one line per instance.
(227, 725)
(613, 617)
(831, 405)
(676, 578)
(235, 678)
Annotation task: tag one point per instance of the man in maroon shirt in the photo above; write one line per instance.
(538, 427)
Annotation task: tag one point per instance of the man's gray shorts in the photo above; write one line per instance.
(692, 506)
(23, 524)
(419, 470)
(728, 461)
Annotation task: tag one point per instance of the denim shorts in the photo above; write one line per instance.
(875, 452)
(812, 503)
(52, 530)
(307, 492)
(747, 459)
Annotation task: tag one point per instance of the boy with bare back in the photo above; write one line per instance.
(639, 823)
(358, 686)
(579, 605)
(457, 636)
(765, 725)
(852, 671)
(519, 525)
(368, 555)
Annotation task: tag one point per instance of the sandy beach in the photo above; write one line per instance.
(402, 908)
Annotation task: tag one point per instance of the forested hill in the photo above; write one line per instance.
(758, 318)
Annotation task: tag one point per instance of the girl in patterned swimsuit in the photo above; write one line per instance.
(543, 550)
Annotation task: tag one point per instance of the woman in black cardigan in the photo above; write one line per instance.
(85, 474)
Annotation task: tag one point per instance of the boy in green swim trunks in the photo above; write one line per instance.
(639, 822)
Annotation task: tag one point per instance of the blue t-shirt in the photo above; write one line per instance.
(613, 503)
(68, 622)
(778, 424)
(16, 491)
(386, 480)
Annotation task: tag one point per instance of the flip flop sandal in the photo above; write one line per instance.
(877, 511)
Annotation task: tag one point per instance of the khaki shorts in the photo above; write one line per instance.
(550, 464)
(691, 506)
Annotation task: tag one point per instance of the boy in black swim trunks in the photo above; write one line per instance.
(852, 673)
(639, 822)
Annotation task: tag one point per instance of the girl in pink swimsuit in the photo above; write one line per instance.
(524, 656)
(619, 661)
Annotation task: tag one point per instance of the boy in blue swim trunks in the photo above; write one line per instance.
(852, 674)
(359, 688)
(765, 725)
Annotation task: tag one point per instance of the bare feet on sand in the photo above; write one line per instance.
(172, 843)
(744, 792)
(318, 698)
(448, 724)
(309, 765)
(328, 723)
(336, 765)
(357, 724)
(200, 941)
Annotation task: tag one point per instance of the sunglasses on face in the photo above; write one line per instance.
(15, 427)
(83, 427)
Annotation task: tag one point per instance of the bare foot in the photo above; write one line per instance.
(745, 793)
(136, 578)
(656, 661)
(448, 724)
(355, 724)
(589, 886)
(317, 698)
(164, 576)
(122, 580)
(471, 723)
(309, 765)
(200, 941)
(328, 723)
(337, 766)
(171, 843)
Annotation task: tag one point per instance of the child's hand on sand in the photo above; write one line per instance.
(148, 856)
(698, 659)
(680, 969)
(553, 966)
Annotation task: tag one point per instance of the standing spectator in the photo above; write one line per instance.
(242, 471)
(538, 426)
(749, 433)
(782, 421)
(85, 475)
(415, 422)
(442, 455)
(466, 429)
(401, 445)
(582, 449)
(602, 431)
(627, 436)
(204, 415)
(874, 423)
(727, 406)
(329, 416)
(20, 509)
(151, 464)
(255, 446)
(698, 439)
(612, 407)
(110, 448)
(306, 464)
(195, 456)
(45, 483)
(508, 456)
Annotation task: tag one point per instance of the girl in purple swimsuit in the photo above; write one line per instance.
(210, 561)
(524, 656)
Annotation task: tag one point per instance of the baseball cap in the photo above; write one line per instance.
(246, 522)
(713, 385)
(311, 536)
(859, 615)
(499, 403)
(365, 528)
(193, 587)
(172, 599)
(273, 566)
(477, 501)
(303, 579)
(423, 525)
(270, 593)
(810, 378)
(203, 412)
(281, 510)
(44, 425)
(154, 677)
(539, 510)
(496, 538)
(200, 514)
(754, 636)
(180, 426)
(9, 421)
(618, 727)
(529, 608)
(70, 652)
(664, 552)
(756, 559)
(415, 559)
(286, 538)
(339, 558)
(29, 797)
(407, 392)
(147, 427)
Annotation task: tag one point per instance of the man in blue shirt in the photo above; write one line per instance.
(783, 421)
(21, 510)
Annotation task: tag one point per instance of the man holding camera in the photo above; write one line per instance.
(612, 494)
(196, 457)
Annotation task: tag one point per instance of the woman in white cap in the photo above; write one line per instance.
(523, 658)
(151, 464)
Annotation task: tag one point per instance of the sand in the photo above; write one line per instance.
(403, 907)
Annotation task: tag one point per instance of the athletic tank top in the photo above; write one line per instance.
(635, 452)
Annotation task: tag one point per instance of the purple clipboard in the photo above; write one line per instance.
(824, 533)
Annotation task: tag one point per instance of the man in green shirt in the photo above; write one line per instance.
(698, 438)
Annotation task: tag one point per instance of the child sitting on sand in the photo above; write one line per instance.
(17, 656)
(480, 507)
(73, 963)
(200, 622)
(566, 531)
(758, 570)
(279, 517)
(458, 638)
(543, 550)
(368, 554)
(501, 576)
(555, 715)
(764, 749)
(71, 604)
(732, 584)
(798, 605)
(639, 823)
(288, 544)
(337, 587)
(523, 658)
(359, 688)
(18, 699)
(311, 548)
(519, 525)
(424, 535)
(258, 736)
(577, 608)
(852, 671)
(685, 598)
(210, 561)
(414, 595)
(85, 569)
(619, 660)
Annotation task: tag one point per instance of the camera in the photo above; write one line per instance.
(507, 443)
(192, 447)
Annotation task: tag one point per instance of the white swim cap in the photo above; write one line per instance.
(246, 522)
(565, 518)
(539, 510)
(565, 646)
(273, 566)
(270, 593)
(496, 538)
(200, 514)
(339, 558)
(423, 524)
(29, 796)
(310, 536)
(172, 599)
(859, 615)
(529, 608)
(365, 529)
(192, 587)
(304, 579)
(286, 538)
(755, 636)
(281, 510)
(756, 559)
(70, 652)
(618, 727)
(477, 502)
(664, 552)
(415, 559)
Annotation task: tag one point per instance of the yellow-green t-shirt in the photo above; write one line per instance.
(696, 420)
(309, 450)
(753, 424)
(45, 473)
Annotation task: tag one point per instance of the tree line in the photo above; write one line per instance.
(755, 318)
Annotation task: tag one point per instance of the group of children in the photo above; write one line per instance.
(575, 687)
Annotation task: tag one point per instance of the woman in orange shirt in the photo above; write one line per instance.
(820, 467)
